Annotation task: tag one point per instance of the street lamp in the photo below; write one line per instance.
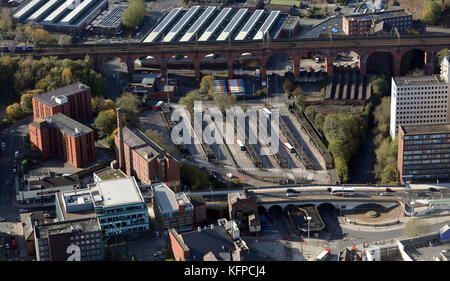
(307, 249)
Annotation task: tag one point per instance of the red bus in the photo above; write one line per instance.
(240, 144)
(289, 146)
(13, 242)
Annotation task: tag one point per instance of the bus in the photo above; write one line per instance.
(343, 191)
(289, 146)
(13, 242)
(240, 144)
(323, 255)
(158, 105)
(267, 112)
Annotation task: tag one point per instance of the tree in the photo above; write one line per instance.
(389, 175)
(319, 121)
(380, 87)
(129, 102)
(105, 123)
(342, 169)
(299, 98)
(193, 177)
(416, 227)
(6, 21)
(64, 40)
(14, 111)
(310, 113)
(207, 85)
(432, 12)
(381, 115)
(288, 86)
(189, 99)
(26, 100)
(134, 15)
(224, 101)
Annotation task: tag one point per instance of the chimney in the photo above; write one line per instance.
(121, 156)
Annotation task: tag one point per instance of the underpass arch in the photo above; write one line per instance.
(411, 60)
(380, 62)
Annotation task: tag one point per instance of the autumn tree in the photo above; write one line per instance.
(189, 99)
(224, 101)
(105, 123)
(207, 85)
(26, 100)
(14, 111)
(432, 11)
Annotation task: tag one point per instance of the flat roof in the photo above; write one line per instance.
(49, 98)
(119, 192)
(108, 174)
(249, 25)
(57, 181)
(418, 80)
(378, 15)
(111, 18)
(181, 23)
(68, 125)
(216, 240)
(82, 225)
(162, 25)
(266, 25)
(237, 18)
(167, 200)
(425, 129)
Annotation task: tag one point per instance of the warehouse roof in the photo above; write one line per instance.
(426, 129)
(68, 125)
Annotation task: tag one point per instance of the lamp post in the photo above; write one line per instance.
(307, 248)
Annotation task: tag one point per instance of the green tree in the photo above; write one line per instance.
(342, 169)
(26, 100)
(310, 113)
(189, 99)
(105, 123)
(193, 177)
(380, 87)
(299, 98)
(319, 121)
(416, 227)
(432, 11)
(389, 175)
(382, 115)
(14, 111)
(134, 15)
(128, 101)
(224, 101)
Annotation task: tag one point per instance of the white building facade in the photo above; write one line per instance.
(420, 100)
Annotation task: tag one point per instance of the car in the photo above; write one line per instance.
(2, 219)
(289, 181)
(282, 182)
(329, 189)
(3, 145)
(385, 194)
(23, 210)
(421, 194)
(47, 215)
(290, 194)
(432, 189)
(16, 154)
(7, 246)
(388, 190)
(290, 190)
(14, 170)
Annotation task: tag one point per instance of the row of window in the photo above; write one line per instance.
(435, 136)
(437, 151)
(425, 116)
(409, 142)
(421, 121)
(425, 147)
(443, 87)
(427, 167)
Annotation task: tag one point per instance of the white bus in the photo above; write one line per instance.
(157, 105)
(343, 191)
(323, 255)
(240, 144)
(289, 146)
(267, 112)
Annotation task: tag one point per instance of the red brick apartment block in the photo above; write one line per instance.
(62, 137)
(73, 100)
(145, 160)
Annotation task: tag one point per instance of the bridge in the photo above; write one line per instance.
(296, 49)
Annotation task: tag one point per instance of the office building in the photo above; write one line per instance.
(62, 137)
(172, 210)
(118, 204)
(73, 101)
(420, 100)
(423, 152)
(73, 240)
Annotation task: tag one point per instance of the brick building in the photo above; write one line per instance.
(423, 152)
(62, 137)
(240, 206)
(213, 243)
(140, 157)
(73, 101)
(172, 210)
(364, 24)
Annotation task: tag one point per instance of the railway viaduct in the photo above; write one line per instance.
(297, 49)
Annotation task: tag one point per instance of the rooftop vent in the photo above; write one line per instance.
(81, 86)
